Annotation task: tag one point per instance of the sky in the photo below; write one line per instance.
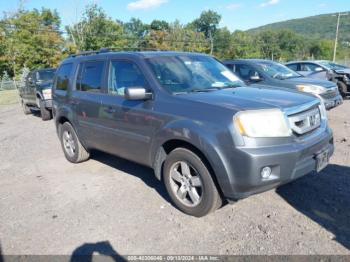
(236, 14)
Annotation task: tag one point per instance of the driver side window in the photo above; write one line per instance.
(245, 71)
(308, 67)
(124, 74)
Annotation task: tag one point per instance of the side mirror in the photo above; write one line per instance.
(318, 69)
(137, 93)
(255, 78)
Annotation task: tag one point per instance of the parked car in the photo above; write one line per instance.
(326, 70)
(36, 92)
(206, 135)
(266, 72)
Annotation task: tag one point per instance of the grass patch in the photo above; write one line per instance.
(8, 97)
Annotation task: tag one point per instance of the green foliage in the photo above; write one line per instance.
(96, 31)
(30, 38)
(207, 23)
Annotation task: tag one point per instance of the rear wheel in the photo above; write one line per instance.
(26, 109)
(189, 183)
(343, 89)
(45, 113)
(72, 148)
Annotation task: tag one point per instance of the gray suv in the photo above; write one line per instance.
(206, 135)
(324, 69)
(266, 72)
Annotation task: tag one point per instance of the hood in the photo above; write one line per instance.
(45, 85)
(310, 81)
(249, 98)
(343, 71)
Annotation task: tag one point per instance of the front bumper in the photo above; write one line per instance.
(332, 102)
(287, 161)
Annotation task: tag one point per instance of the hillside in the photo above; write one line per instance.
(320, 26)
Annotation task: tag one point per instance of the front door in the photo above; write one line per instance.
(128, 125)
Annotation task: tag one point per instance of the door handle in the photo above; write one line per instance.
(110, 110)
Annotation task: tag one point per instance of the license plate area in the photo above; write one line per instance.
(322, 160)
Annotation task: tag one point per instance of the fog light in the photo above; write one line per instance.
(266, 172)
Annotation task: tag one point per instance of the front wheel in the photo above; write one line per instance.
(343, 89)
(190, 184)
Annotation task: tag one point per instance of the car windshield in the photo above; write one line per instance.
(331, 65)
(192, 73)
(46, 75)
(276, 70)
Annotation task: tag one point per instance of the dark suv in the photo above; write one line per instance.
(206, 135)
(36, 92)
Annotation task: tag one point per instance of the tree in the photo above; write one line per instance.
(159, 25)
(31, 39)
(207, 23)
(96, 31)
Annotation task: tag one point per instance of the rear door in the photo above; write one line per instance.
(86, 98)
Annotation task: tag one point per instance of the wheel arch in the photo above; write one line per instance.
(168, 146)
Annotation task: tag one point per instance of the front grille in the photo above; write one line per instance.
(305, 121)
(330, 93)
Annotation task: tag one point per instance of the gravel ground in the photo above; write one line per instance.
(109, 205)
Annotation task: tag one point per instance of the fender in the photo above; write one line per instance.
(199, 136)
(67, 113)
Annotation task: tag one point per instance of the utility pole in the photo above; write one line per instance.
(336, 34)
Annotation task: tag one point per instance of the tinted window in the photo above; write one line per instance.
(308, 67)
(45, 75)
(293, 67)
(123, 74)
(62, 78)
(90, 76)
(245, 71)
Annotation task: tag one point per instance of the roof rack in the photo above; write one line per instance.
(107, 50)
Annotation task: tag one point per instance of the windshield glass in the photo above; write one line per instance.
(192, 73)
(46, 75)
(331, 65)
(276, 70)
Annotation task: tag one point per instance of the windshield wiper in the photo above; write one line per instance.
(230, 86)
(199, 90)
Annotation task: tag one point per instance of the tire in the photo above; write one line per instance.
(45, 113)
(194, 191)
(72, 148)
(26, 109)
(343, 89)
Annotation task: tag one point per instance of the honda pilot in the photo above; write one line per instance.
(207, 136)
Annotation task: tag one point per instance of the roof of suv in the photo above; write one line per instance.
(143, 54)
(248, 60)
(306, 61)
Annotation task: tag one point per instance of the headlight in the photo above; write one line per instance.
(47, 93)
(313, 89)
(262, 123)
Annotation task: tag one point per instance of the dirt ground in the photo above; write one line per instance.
(109, 205)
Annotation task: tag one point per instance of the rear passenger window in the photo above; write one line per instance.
(123, 74)
(90, 76)
(62, 77)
